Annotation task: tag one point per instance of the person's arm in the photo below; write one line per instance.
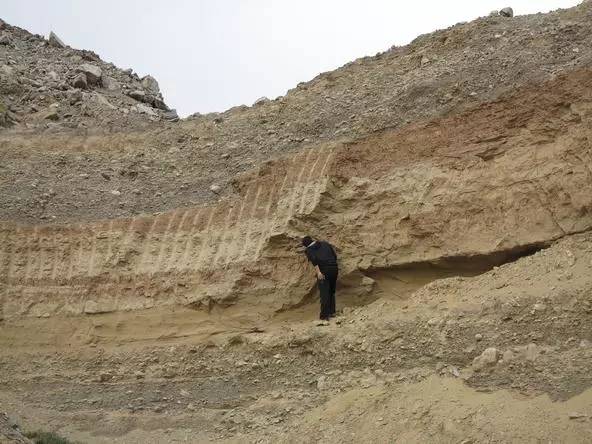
(320, 276)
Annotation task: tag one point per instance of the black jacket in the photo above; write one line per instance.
(321, 253)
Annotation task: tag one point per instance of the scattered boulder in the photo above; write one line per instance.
(156, 102)
(507, 12)
(110, 83)
(138, 95)
(55, 41)
(52, 114)
(102, 100)
(93, 73)
(5, 40)
(171, 115)
(488, 358)
(261, 100)
(149, 83)
(215, 188)
(90, 56)
(145, 109)
(80, 81)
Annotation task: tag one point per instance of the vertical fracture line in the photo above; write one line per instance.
(245, 248)
(205, 236)
(93, 252)
(58, 252)
(16, 256)
(145, 250)
(129, 234)
(42, 257)
(295, 190)
(109, 241)
(79, 260)
(267, 224)
(235, 233)
(11, 255)
(72, 258)
(220, 248)
(184, 263)
(67, 253)
(173, 251)
(322, 180)
(163, 242)
(307, 185)
(5, 255)
(273, 220)
(30, 240)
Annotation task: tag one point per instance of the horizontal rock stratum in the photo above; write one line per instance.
(485, 184)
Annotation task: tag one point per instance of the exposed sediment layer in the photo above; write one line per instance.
(500, 177)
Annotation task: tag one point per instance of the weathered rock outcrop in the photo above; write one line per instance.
(486, 184)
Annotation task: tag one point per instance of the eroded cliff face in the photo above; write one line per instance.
(479, 187)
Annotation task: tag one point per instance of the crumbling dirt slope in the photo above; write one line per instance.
(462, 226)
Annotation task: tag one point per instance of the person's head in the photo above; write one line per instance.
(306, 241)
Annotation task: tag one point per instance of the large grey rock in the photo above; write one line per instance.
(93, 73)
(80, 81)
(507, 12)
(261, 101)
(55, 41)
(110, 83)
(157, 102)
(150, 84)
(138, 95)
(102, 100)
(145, 109)
(4, 40)
(171, 115)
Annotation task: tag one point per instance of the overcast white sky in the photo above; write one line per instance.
(209, 55)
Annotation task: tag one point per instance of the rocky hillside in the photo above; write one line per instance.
(47, 179)
(169, 300)
(48, 86)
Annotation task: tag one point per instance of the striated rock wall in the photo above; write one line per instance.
(189, 256)
(487, 183)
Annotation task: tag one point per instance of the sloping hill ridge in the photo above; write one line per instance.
(67, 175)
(461, 213)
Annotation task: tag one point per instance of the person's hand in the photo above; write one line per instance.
(320, 276)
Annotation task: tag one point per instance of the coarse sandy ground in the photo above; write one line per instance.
(403, 368)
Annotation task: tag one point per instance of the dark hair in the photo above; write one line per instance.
(306, 241)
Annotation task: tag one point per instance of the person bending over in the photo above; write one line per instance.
(322, 255)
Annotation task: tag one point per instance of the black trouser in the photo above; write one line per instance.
(327, 291)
